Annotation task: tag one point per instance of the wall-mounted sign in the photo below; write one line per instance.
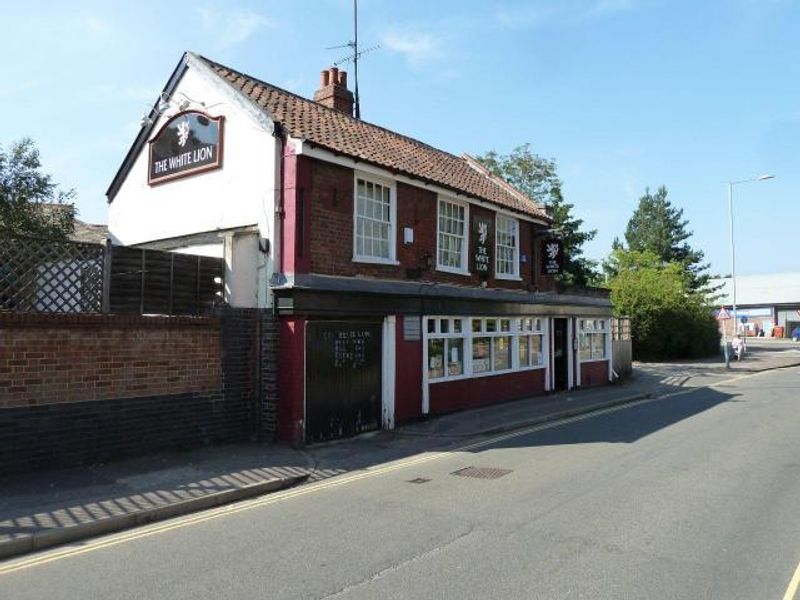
(552, 256)
(188, 143)
(482, 246)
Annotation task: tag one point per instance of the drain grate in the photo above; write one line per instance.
(482, 472)
(419, 480)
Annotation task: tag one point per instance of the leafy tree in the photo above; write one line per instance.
(537, 178)
(668, 319)
(30, 202)
(657, 226)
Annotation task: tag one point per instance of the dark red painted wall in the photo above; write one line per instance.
(450, 396)
(594, 373)
(291, 379)
(408, 378)
(296, 224)
(331, 235)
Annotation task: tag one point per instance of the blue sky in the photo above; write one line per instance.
(624, 94)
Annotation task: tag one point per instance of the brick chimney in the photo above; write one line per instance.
(333, 91)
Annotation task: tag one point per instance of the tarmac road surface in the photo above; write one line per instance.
(693, 496)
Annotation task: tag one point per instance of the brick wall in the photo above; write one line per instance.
(53, 358)
(330, 204)
(86, 388)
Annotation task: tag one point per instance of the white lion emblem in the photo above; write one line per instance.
(183, 133)
(552, 250)
(483, 232)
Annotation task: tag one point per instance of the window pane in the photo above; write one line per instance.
(502, 352)
(457, 326)
(524, 354)
(537, 355)
(481, 355)
(444, 325)
(505, 325)
(476, 325)
(431, 325)
(455, 356)
(599, 345)
(586, 346)
(435, 358)
(491, 325)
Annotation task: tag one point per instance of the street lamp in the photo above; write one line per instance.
(733, 247)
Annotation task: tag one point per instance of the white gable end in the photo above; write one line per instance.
(240, 193)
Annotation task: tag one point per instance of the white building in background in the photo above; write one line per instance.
(764, 302)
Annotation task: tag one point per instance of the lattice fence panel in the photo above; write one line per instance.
(41, 275)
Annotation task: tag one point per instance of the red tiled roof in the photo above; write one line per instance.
(333, 130)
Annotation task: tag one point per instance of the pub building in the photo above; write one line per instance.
(407, 281)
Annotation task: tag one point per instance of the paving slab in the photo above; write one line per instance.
(49, 508)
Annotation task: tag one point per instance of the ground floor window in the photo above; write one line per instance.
(458, 347)
(593, 338)
(531, 342)
(445, 346)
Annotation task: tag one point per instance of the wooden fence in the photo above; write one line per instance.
(45, 275)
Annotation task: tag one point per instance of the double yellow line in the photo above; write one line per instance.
(312, 488)
(150, 530)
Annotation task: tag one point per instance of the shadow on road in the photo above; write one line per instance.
(627, 424)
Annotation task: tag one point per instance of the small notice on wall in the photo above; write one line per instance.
(412, 329)
(190, 142)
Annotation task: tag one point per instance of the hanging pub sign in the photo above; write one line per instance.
(552, 256)
(482, 246)
(190, 142)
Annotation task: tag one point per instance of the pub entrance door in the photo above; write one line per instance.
(560, 355)
(343, 378)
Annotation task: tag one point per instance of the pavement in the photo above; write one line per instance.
(52, 508)
(683, 497)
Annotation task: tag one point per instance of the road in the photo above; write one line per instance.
(692, 496)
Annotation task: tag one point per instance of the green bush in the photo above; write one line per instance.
(668, 320)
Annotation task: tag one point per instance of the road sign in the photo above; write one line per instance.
(723, 314)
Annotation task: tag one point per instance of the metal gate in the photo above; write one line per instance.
(343, 378)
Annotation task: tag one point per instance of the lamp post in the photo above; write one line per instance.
(733, 250)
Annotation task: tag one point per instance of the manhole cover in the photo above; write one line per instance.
(419, 480)
(482, 472)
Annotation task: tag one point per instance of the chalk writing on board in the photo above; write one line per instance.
(350, 348)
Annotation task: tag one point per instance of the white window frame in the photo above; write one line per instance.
(392, 259)
(515, 331)
(515, 260)
(596, 328)
(464, 268)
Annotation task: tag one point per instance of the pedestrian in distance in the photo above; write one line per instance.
(738, 347)
(796, 334)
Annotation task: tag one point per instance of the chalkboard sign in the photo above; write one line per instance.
(482, 246)
(552, 256)
(188, 143)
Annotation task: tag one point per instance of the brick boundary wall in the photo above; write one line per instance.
(165, 383)
(268, 377)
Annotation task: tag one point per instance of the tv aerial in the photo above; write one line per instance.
(353, 58)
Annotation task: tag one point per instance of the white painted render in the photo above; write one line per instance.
(211, 250)
(240, 193)
(241, 270)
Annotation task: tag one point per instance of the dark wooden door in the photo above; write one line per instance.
(343, 378)
(560, 355)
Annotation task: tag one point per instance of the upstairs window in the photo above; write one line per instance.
(374, 222)
(507, 236)
(451, 247)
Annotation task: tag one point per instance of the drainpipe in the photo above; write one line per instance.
(277, 256)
